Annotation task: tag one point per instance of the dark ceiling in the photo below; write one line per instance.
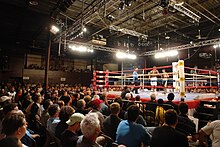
(149, 26)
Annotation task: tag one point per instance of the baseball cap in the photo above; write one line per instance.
(76, 117)
(5, 98)
(96, 103)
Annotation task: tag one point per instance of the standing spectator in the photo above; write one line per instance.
(167, 135)
(213, 130)
(129, 132)
(69, 137)
(90, 127)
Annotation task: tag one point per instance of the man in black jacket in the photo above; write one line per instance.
(167, 135)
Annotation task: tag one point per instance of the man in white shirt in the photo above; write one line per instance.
(213, 130)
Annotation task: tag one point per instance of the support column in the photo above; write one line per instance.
(47, 62)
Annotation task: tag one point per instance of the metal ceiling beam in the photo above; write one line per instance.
(186, 46)
(207, 10)
(200, 12)
(185, 11)
(127, 31)
(124, 16)
(180, 28)
(97, 5)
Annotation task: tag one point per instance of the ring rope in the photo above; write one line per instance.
(105, 77)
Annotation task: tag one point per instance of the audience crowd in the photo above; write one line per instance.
(80, 116)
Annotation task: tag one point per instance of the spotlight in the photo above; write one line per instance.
(167, 37)
(79, 48)
(54, 29)
(216, 46)
(84, 29)
(121, 6)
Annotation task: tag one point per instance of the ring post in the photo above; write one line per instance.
(181, 79)
(175, 75)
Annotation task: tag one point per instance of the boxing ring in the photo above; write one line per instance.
(188, 84)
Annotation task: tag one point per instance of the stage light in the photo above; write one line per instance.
(166, 54)
(84, 29)
(54, 29)
(133, 57)
(121, 55)
(167, 37)
(216, 46)
(80, 48)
